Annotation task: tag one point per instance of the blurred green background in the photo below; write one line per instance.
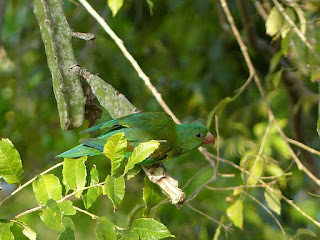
(194, 64)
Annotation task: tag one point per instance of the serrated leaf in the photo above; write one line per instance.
(151, 195)
(140, 153)
(91, 196)
(27, 231)
(74, 173)
(286, 26)
(115, 149)
(274, 22)
(115, 189)
(133, 172)
(67, 231)
(273, 199)
(150, 229)
(129, 234)
(105, 229)
(67, 208)
(47, 187)
(115, 6)
(51, 215)
(10, 162)
(235, 213)
(5, 232)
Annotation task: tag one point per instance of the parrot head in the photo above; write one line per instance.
(192, 136)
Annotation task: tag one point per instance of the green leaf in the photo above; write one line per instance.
(115, 189)
(67, 208)
(74, 173)
(305, 234)
(51, 215)
(5, 232)
(115, 149)
(275, 170)
(133, 172)
(151, 195)
(115, 6)
(285, 43)
(302, 19)
(235, 213)
(140, 153)
(47, 187)
(67, 231)
(105, 229)
(273, 199)
(254, 164)
(10, 162)
(287, 27)
(150, 229)
(91, 196)
(274, 22)
(129, 234)
(277, 77)
(27, 231)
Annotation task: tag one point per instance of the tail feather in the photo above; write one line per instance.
(79, 151)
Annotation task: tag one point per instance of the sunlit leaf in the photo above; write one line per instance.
(287, 27)
(115, 6)
(47, 187)
(129, 234)
(235, 213)
(67, 229)
(115, 189)
(133, 172)
(273, 199)
(67, 208)
(140, 153)
(26, 230)
(274, 22)
(151, 195)
(254, 164)
(105, 229)
(51, 215)
(10, 162)
(115, 149)
(74, 173)
(150, 229)
(90, 197)
(285, 43)
(275, 170)
(5, 232)
(302, 18)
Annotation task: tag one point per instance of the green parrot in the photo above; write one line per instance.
(175, 139)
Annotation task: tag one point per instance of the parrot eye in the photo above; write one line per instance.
(198, 135)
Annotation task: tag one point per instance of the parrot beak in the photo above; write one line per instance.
(209, 139)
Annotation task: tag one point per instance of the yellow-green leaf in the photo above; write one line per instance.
(274, 22)
(140, 153)
(150, 229)
(51, 215)
(151, 195)
(115, 6)
(115, 149)
(10, 162)
(105, 229)
(91, 195)
(286, 26)
(5, 232)
(273, 199)
(47, 187)
(235, 213)
(67, 229)
(115, 189)
(74, 173)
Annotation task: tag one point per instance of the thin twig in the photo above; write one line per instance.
(261, 91)
(212, 219)
(261, 10)
(290, 202)
(30, 181)
(265, 208)
(129, 57)
(86, 212)
(218, 144)
(303, 146)
(295, 28)
(27, 212)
